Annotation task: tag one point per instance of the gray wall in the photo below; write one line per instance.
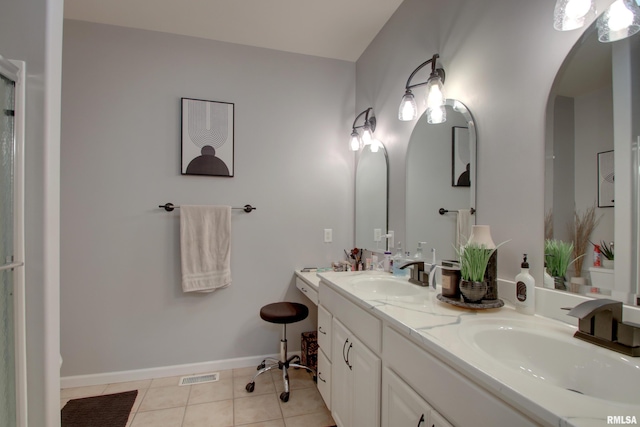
(121, 302)
(31, 31)
(501, 58)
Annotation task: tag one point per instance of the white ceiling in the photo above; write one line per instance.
(339, 29)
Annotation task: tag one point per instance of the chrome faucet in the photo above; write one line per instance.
(600, 322)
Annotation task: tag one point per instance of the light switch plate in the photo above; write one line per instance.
(328, 235)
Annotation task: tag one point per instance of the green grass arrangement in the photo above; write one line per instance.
(557, 255)
(606, 250)
(473, 261)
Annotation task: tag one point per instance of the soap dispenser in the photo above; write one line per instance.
(525, 289)
(419, 256)
(398, 261)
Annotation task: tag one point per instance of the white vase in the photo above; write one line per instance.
(481, 234)
(607, 263)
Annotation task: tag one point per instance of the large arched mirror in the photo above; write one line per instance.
(441, 181)
(593, 123)
(372, 195)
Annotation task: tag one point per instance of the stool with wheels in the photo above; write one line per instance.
(281, 313)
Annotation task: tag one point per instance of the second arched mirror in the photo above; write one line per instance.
(372, 183)
(441, 181)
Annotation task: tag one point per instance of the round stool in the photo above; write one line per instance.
(281, 313)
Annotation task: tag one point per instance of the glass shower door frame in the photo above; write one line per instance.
(15, 70)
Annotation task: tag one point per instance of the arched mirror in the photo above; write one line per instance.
(441, 181)
(593, 123)
(372, 195)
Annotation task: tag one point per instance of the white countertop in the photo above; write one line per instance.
(442, 330)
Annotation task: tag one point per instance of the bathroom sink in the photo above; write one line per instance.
(554, 357)
(377, 286)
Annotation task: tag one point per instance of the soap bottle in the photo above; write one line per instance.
(525, 290)
(386, 262)
(419, 256)
(398, 261)
(548, 280)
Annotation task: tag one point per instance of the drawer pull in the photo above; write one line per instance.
(321, 331)
(320, 377)
(343, 347)
(304, 290)
(348, 350)
(421, 420)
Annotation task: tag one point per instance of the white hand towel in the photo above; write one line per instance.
(205, 247)
(463, 227)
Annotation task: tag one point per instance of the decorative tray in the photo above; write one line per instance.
(482, 305)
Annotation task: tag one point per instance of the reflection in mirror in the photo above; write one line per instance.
(372, 183)
(582, 140)
(441, 171)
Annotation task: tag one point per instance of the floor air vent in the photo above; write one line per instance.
(199, 379)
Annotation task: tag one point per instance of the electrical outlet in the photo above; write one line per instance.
(377, 234)
(328, 235)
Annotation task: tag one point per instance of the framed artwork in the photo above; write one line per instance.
(461, 157)
(606, 180)
(207, 137)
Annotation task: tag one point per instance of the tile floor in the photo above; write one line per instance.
(224, 403)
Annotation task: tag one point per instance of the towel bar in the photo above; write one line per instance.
(443, 211)
(170, 206)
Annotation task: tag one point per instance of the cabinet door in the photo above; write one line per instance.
(401, 406)
(366, 385)
(341, 377)
(324, 331)
(324, 378)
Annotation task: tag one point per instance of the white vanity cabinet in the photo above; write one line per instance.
(403, 407)
(461, 401)
(355, 390)
(350, 341)
(324, 354)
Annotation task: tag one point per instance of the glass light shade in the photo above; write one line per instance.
(436, 115)
(621, 20)
(572, 14)
(408, 109)
(367, 137)
(375, 146)
(435, 92)
(354, 144)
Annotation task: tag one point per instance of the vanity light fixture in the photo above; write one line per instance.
(435, 98)
(358, 141)
(573, 14)
(620, 20)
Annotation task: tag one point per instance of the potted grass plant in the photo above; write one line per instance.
(557, 255)
(474, 259)
(607, 254)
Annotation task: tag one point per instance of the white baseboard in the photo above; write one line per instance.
(164, 371)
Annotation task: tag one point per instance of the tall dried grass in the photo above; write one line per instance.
(580, 232)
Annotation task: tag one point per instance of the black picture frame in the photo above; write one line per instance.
(460, 157)
(207, 138)
(606, 179)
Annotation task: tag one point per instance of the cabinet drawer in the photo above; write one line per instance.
(324, 378)
(307, 290)
(324, 330)
(442, 386)
(365, 326)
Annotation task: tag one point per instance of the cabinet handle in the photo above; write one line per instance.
(320, 377)
(421, 420)
(348, 350)
(343, 347)
(304, 290)
(321, 331)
